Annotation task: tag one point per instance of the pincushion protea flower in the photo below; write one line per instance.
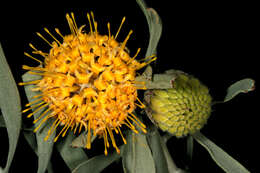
(88, 80)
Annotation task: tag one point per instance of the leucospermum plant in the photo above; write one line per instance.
(88, 81)
(87, 85)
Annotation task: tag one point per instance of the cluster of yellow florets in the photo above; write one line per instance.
(181, 110)
(87, 81)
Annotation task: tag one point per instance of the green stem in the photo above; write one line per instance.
(190, 147)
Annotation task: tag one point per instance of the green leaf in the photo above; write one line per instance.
(155, 27)
(72, 156)
(170, 163)
(155, 30)
(10, 107)
(159, 81)
(50, 168)
(2, 121)
(222, 159)
(166, 137)
(80, 141)
(44, 148)
(155, 142)
(2, 124)
(242, 86)
(190, 147)
(96, 164)
(31, 139)
(137, 156)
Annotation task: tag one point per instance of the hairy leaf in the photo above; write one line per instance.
(44, 148)
(242, 86)
(155, 27)
(155, 30)
(137, 156)
(2, 121)
(155, 143)
(72, 156)
(2, 124)
(31, 139)
(159, 81)
(81, 140)
(222, 159)
(190, 147)
(96, 164)
(170, 163)
(10, 107)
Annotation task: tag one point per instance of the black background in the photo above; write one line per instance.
(215, 41)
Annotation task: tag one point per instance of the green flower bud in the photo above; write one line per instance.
(181, 110)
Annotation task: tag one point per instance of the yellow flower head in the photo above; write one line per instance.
(88, 80)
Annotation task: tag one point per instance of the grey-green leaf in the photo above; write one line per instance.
(170, 163)
(242, 86)
(155, 30)
(137, 156)
(190, 147)
(10, 106)
(155, 27)
(72, 156)
(44, 148)
(31, 139)
(2, 121)
(223, 160)
(155, 142)
(96, 164)
(80, 141)
(159, 81)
